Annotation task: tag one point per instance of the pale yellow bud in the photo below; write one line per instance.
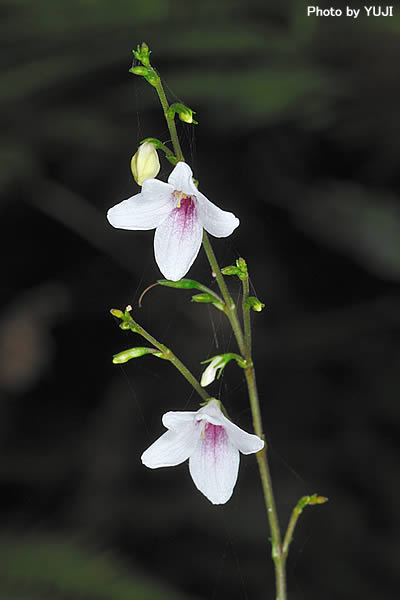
(145, 163)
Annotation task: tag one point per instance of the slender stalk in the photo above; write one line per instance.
(231, 311)
(266, 482)
(170, 122)
(262, 459)
(246, 314)
(168, 355)
(289, 532)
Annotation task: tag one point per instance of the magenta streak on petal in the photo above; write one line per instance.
(213, 439)
(184, 216)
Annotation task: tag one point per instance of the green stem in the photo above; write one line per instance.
(231, 311)
(289, 532)
(266, 482)
(262, 458)
(170, 122)
(246, 314)
(169, 355)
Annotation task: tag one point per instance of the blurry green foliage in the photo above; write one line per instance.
(41, 569)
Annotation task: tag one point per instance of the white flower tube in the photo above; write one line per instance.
(212, 444)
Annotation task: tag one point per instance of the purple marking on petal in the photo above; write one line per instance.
(213, 439)
(184, 214)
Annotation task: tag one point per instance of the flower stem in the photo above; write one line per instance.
(244, 343)
(170, 121)
(262, 459)
(289, 532)
(246, 314)
(168, 355)
(231, 311)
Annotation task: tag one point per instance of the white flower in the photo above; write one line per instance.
(211, 372)
(179, 212)
(211, 442)
(145, 163)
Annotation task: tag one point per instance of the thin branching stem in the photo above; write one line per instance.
(168, 355)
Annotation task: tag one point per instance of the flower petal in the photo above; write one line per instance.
(177, 241)
(181, 179)
(145, 210)
(172, 448)
(216, 221)
(174, 419)
(214, 465)
(247, 443)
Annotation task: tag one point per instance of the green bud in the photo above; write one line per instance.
(309, 500)
(117, 313)
(240, 269)
(231, 270)
(254, 303)
(241, 264)
(142, 54)
(145, 54)
(202, 298)
(182, 284)
(125, 355)
(139, 71)
(184, 113)
(208, 298)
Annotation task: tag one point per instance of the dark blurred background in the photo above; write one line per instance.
(299, 136)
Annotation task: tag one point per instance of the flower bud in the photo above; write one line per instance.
(212, 370)
(184, 112)
(187, 115)
(139, 71)
(125, 355)
(145, 163)
(255, 303)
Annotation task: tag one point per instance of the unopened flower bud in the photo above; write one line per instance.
(145, 163)
(139, 71)
(186, 115)
(255, 303)
(125, 355)
(212, 370)
(184, 112)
